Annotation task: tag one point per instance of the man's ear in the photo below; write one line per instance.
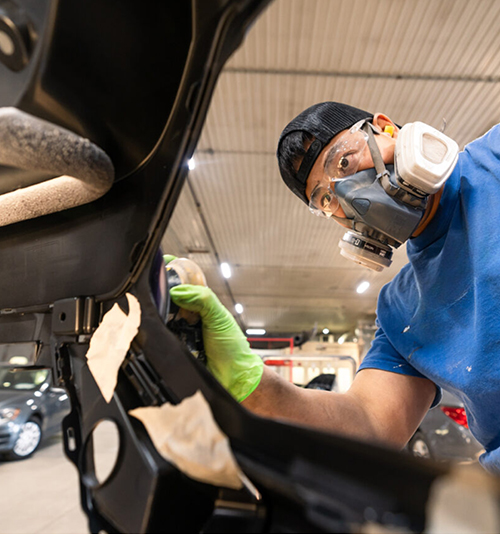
(382, 121)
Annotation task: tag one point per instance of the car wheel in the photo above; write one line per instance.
(28, 440)
(419, 447)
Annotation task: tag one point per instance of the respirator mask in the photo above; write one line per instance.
(385, 204)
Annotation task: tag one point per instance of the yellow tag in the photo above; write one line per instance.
(389, 129)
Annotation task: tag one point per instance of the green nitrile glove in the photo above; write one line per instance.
(229, 357)
(167, 258)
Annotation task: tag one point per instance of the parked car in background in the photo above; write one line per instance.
(444, 434)
(30, 409)
(325, 381)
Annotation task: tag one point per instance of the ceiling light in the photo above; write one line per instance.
(362, 287)
(326, 331)
(226, 270)
(238, 307)
(255, 331)
(342, 338)
(191, 164)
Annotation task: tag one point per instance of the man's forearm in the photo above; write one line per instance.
(325, 410)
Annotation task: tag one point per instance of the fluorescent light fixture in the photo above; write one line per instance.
(191, 164)
(342, 338)
(326, 331)
(255, 331)
(238, 307)
(225, 269)
(362, 287)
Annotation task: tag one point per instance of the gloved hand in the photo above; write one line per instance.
(229, 357)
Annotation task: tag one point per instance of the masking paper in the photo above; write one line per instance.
(110, 343)
(187, 436)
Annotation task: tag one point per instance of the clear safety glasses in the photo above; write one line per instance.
(341, 162)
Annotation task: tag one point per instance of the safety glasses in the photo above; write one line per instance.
(341, 162)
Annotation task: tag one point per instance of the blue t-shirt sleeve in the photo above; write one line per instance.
(382, 355)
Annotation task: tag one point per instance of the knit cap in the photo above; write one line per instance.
(324, 121)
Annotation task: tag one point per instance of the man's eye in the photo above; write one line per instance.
(343, 163)
(326, 200)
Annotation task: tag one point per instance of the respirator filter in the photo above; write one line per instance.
(424, 158)
(365, 251)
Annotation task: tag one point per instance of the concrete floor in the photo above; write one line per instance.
(41, 494)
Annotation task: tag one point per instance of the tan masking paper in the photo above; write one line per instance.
(188, 436)
(110, 343)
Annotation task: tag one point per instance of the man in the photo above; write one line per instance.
(438, 318)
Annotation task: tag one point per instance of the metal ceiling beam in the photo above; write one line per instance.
(375, 75)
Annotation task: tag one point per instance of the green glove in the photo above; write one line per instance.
(229, 357)
(167, 258)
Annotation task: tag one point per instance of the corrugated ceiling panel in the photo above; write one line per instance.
(249, 111)
(286, 284)
(185, 232)
(305, 314)
(410, 37)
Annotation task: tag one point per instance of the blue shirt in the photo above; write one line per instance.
(439, 318)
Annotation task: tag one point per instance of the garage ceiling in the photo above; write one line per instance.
(424, 60)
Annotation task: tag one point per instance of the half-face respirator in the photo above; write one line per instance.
(385, 204)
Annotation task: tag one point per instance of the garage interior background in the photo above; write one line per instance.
(427, 60)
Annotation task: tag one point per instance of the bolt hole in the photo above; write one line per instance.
(62, 317)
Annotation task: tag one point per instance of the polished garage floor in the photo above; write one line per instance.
(40, 494)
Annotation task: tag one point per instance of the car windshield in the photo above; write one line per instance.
(22, 379)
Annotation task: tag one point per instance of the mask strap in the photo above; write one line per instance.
(345, 220)
(374, 150)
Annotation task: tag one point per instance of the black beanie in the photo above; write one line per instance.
(324, 121)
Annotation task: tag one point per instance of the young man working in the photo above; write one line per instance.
(438, 319)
